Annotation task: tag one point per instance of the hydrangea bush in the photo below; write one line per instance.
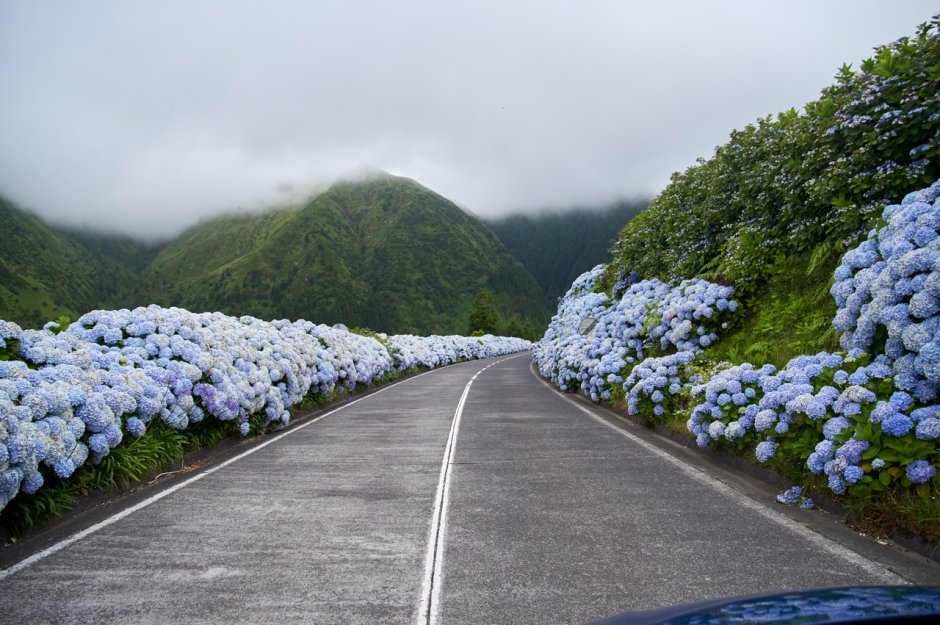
(649, 317)
(840, 416)
(865, 420)
(888, 293)
(655, 383)
(70, 396)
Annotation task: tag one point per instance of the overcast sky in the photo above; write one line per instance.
(145, 116)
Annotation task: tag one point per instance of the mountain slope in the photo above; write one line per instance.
(46, 273)
(775, 208)
(558, 247)
(385, 253)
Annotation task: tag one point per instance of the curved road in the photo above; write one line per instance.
(470, 494)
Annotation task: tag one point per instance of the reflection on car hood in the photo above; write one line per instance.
(868, 604)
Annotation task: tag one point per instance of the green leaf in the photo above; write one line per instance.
(859, 490)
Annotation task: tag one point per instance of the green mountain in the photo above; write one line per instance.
(557, 247)
(47, 272)
(385, 253)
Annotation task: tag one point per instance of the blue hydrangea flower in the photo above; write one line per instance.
(901, 400)
(926, 412)
(765, 450)
(135, 427)
(897, 425)
(853, 474)
(791, 496)
(837, 484)
(928, 429)
(98, 443)
(920, 471)
(852, 450)
(32, 482)
(834, 426)
(816, 462)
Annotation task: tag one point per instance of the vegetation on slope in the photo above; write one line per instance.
(46, 273)
(785, 184)
(773, 213)
(804, 186)
(385, 253)
(557, 247)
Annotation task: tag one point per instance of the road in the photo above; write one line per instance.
(470, 494)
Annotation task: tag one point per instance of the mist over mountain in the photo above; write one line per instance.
(46, 272)
(385, 253)
(556, 247)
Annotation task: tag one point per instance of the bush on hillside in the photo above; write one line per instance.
(782, 185)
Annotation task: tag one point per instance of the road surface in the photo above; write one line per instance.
(470, 494)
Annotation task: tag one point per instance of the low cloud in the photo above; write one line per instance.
(145, 118)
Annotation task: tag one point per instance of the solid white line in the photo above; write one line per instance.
(430, 599)
(819, 541)
(432, 559)
(48, 551)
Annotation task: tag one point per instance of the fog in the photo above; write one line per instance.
(145, 117)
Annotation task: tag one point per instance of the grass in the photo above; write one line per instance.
(894, 510)
(790, 316)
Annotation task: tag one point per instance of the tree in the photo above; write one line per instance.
(483, 317)
(514, 328)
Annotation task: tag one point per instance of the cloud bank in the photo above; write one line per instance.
(145, 117)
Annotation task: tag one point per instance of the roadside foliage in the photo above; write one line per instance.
(868, 419)
(849, 184)
(75, 396)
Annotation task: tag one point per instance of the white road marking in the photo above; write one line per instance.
(48, 551)
(430, 601)
(819, 541)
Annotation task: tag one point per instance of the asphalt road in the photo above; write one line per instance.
(470, 494)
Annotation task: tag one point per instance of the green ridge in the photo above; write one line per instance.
(557, 247)
(384, 253)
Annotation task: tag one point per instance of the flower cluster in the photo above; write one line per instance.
(794, 496)
(888, 293)
(650, 315)
(730, 407)
(655, 382)
(824, 410)
(71, 396)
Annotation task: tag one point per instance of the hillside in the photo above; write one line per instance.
(385, 253)
(46, 272)
(777, 206)
(557, 247)
(804, 331)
